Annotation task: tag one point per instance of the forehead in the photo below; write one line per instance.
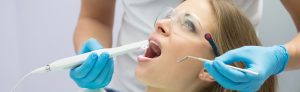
(201, 9)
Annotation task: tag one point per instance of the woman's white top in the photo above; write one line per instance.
(138, 21)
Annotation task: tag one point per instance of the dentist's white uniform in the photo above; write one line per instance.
(138, 21)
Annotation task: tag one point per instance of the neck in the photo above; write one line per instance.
(190, 88)
(153, 89)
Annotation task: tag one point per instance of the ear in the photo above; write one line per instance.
(204, 76)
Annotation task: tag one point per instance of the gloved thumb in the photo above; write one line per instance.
(90, 45)
(233, 56)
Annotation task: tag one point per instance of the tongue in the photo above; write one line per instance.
(156, 50)
(150, 53)
(153, 51)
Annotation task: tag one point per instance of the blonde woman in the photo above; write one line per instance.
(96, 21)
(181, 33)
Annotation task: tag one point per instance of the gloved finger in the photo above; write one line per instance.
(82, 70)
(232, 74)
(98, 67)
(242, 87)
(109, 76)
(101, 76)
(105, 76)
(90, 45)
(253, 77)
(249, 87)
(82, 84)
(222, 80)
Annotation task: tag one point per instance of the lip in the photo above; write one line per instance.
(153, 40)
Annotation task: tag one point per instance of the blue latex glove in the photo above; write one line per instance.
(96, 71)
(266, 61)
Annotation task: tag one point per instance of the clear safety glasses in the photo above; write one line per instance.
(180, 22)
(185, 23)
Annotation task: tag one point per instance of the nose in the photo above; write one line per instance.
(163, 27)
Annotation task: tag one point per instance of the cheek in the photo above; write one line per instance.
(168, 67)
(161, 73)
(197, 47)
(157, 73)
(179, 48)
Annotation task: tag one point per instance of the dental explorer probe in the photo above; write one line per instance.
(205, 60)
(70, 62)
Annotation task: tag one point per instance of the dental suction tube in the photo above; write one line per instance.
(70, 62)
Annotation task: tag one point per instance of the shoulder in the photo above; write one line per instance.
(252, 9)
(248, 4)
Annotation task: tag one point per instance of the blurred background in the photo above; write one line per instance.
(36, 32)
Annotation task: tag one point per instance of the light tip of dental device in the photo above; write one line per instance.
(144, 46)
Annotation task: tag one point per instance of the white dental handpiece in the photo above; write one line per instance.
(70, 62)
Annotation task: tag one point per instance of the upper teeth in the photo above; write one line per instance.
(155, 49)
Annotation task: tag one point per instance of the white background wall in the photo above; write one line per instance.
(35, 32)
(32, 34)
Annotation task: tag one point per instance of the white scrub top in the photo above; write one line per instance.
(138, 21)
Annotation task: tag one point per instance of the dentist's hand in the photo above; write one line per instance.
(266, 61)
(96, 71)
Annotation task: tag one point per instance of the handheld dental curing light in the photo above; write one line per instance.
(70, 62)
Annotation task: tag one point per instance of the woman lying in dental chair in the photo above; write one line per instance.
(180, 32)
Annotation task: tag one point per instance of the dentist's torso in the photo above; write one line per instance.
(138, 21)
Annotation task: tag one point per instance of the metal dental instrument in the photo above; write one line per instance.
(205, 60)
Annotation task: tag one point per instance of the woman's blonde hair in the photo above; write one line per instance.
(234, 30)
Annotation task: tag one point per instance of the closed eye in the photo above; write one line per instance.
(190, 25)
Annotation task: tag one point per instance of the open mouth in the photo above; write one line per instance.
(153, 51)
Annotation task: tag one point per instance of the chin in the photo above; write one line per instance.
(141, 74)
(147, 63)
